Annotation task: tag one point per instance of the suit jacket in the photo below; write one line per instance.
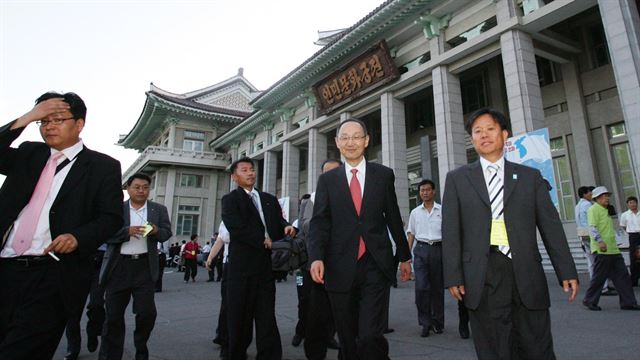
(156, 214)
(466, 228)
(88, 204)
(247, 254)
(336, 226)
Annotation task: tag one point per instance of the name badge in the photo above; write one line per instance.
(499, 233)
(193, 253)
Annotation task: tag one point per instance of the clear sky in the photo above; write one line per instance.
(108, 52)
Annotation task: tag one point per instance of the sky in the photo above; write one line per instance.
(109, 52)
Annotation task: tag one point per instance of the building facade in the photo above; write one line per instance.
(414, 69)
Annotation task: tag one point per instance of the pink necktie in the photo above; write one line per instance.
(356, 196)
(29, 219)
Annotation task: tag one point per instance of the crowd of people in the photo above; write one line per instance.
(69, 237)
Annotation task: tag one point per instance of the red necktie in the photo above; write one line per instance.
(356, 196)
(29, 220)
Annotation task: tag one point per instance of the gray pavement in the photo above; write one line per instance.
(188, 315)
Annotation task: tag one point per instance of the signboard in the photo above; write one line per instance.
(532, 149)
(369, 71)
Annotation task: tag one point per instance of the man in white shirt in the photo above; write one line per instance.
(630, 220)
(425, 224)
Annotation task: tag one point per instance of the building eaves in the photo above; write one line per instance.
(199, 106)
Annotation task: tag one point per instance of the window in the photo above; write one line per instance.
(474, 94)
(547, 71)
(188, 217)
(259, 146)
(276, 137)
(191, 180)
(193, 141)
(564, 183)
(304, 158)
(599, 49)
(621, 154)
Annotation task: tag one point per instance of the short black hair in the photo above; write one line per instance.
(329, 161)
(632, 198)
(357, 121)
(140, 176)
(77, 107)
(305, 196)
(193, 236)
(497, 116)
(427, 182)
(583, 190)
(234, 165)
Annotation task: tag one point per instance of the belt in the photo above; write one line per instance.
(134, 256)
(431, 242)
(29, 261)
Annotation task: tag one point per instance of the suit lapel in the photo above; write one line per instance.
(343, 186)
(476, 178)
(248, 201)
(76, 175)
(369, 188)
(510, 179)
(126, 214)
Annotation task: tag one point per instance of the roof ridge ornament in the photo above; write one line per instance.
(433, 25)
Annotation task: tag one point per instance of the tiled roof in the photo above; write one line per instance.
(201, 106)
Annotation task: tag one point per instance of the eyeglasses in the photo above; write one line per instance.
(55, 122)
(141, 188)
(355, 138)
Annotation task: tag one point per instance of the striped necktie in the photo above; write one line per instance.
(496, 191)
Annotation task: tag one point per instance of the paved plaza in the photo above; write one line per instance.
(188, 314)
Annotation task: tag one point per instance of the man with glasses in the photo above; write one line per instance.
(130, 269)
(58, 203)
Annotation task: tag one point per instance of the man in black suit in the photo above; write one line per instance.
(350, 251)
(491, 209)
(254, 220)
(74, 209)
(130, 269)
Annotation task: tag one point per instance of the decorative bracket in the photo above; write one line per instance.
(285, 113)
(432, 26)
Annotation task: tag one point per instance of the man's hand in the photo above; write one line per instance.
(603, 246)
(457, 292)
(154, 229)
(54, 108)
(136, 231)
(267, 243)
(207, 264)
(317, 271)
(405, 270)
(63, 244)
(571, 285)
(290, 231)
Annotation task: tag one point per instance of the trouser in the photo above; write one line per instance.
(591, 258)
(614, 268)
(315, 323)
(190, 269)
(162, 261)
(503, 328)
(427, 264)
(634, 264)
(130, 278)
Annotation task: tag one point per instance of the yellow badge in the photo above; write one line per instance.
(147, 229)
(499, 233)
(193, 253)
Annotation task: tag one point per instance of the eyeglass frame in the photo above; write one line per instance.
(354, 138)
(55, 122)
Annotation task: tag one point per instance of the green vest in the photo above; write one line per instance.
(598, 216)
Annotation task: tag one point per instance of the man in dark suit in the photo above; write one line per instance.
(130, 269)
(59, 199)
(350, 251)
(491, 209)
(254, 220)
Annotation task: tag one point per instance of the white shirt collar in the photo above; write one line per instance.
(485, 163)
(435, 206)
(144, 207)
(72, 151)
(362, 166)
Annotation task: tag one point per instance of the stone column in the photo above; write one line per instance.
(316, 156)
(269, 172)
(172, 136)
(521, 80)
(450, 133)
(394, 147)
(622, 28)
(170, 191)
(212, 204)
(291, 177)
(582, 142)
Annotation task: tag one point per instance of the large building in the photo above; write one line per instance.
(413, 70)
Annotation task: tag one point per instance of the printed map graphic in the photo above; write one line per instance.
(532, 149)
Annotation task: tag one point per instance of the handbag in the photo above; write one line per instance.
(288, 254)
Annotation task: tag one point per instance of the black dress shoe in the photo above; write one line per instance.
(388, 331)
(297, 339)
(333, 344)
(609, 292)
(437, 329)
(592, 307)
(630, 307)
(92, 343)
(463, 329)
(71, 356)
(424, 332)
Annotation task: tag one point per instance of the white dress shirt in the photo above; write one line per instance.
(630, 221)
(362, 171)
(255, 195)
(485, 164)
(42, 235)
(223, 233)
(136, 244)
(425, 225)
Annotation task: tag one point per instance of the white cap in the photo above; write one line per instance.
(599, 191)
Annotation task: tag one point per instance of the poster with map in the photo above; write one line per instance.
(532, 149)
